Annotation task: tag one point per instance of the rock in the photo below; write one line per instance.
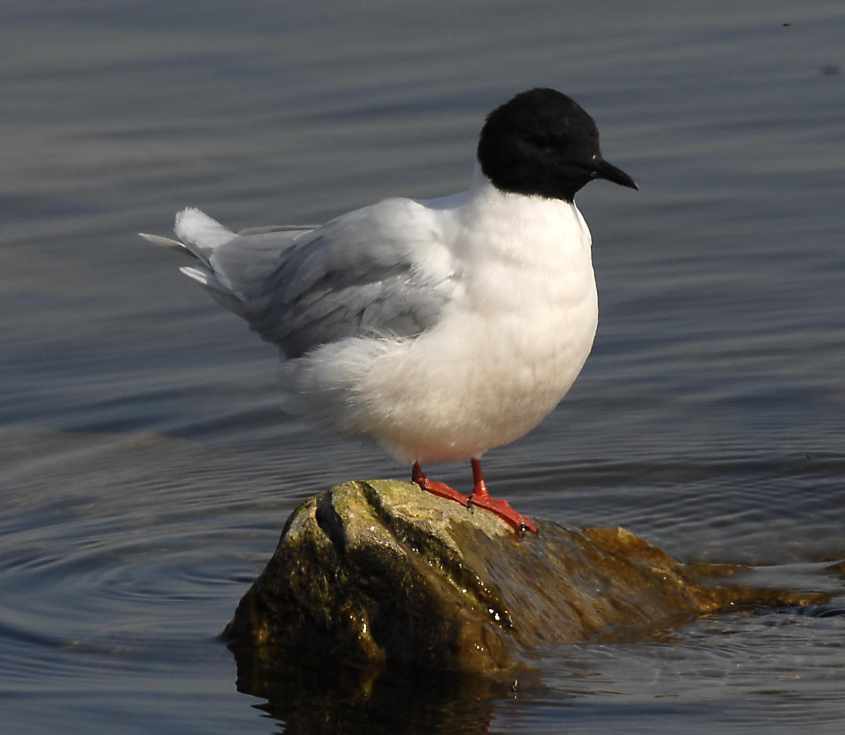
(383, 573)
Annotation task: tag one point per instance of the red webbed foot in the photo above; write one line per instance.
(481, 497)
(503, 509)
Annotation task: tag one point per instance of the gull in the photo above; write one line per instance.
(439, 328)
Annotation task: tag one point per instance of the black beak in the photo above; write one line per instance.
(605, 170)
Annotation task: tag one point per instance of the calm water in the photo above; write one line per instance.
(144, 464)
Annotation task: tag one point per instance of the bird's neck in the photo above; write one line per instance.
(484, 195)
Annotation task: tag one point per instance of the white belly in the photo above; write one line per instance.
(505, 378)
(478, 381)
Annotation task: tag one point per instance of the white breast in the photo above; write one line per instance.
(510, 345)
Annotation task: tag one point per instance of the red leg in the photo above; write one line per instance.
(481, 497)
(437, 488)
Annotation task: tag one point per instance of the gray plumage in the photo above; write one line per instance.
(301, 287)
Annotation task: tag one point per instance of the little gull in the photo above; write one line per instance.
(439, 328)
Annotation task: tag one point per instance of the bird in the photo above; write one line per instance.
(438, 328)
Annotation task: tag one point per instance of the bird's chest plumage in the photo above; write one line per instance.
(529, 305)
(531, 355)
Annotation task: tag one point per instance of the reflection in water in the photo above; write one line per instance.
(783, 663)
(336, 700)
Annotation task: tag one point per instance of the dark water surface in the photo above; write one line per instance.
(145, 467)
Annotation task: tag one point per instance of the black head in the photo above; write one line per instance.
(542, 142)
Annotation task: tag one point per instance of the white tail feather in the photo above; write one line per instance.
(195, 228)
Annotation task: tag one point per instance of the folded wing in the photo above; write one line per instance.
(380, 270)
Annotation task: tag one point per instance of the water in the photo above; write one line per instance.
(146, 470)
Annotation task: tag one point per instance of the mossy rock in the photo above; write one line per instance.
(383, 573)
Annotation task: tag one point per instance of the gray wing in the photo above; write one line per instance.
(381, 270)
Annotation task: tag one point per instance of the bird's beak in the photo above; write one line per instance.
(605, 170)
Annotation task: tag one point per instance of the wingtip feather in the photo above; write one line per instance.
(158, 240)
(200, 276)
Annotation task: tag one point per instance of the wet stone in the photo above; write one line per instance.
(383, 573)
